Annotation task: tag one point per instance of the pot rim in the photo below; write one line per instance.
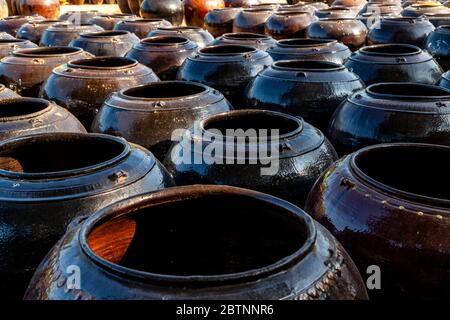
(366, 50)
(370, 92)
(78, 63)
(116, 15)
(332, 65)
(144, 20)
(248, 50)
(291, 13)
(12, 41)
(320, 42)
(46, 108)
(31, 52)
(180, 29)
(47, 21)
(401, 19)
(183, 40)
(178, 194)
(105, 34)
(245, 36)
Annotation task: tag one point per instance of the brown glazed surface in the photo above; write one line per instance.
(8, 46)
(12, 23)
(33, 30)
(141, 27)
(106, 43)
(384, 206)
(126, 252)
(170, 10)
(60, 34)
(258, 41)
(196, 10)
(251, 20)
(49, 9)
(196, 34)
(220, 21)
(288, 25)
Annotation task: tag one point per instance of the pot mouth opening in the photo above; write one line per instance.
(180, 28)
(334, 9)
(292, 13)
(149, 20)
(153, 239)
(301, 42)
(245, 36)
(47, 51)
(226, 50)
(407, 90)
(10, 41)
(101, 63)
(445, 27)
(19, 108)
(117, 15)
(165, 40)
(307, 65)
(257, 10)
(338, 19)
(66, 154)
(103, 34)
(406, 170)
(44, 22)
(165, 90)
(70, 26)
(391, 49)
(403, 19)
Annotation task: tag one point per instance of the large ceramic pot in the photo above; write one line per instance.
(309, 89)
(392, 112)
(310, 49)
(60, 34)
(170, 10)
(335, 12)
(106, 43)
(131, 250)
(241, 3)
(394, 63)
(79, 17)
(295, 153)
(196, 10)
(49, 179)
(438, 19)
(196, 34)
(135, 7)
(288, 25)
(400, 30)
(251, 20)
(23, 116)
(141, 27)
(385, 207)
(81, 86)
(108, 21)
(419, 9)
(350, 32)
(33, 30)
(227, 68)
(123, 6)
(259, 41)
(8, 46)
(437, 44)
(49, 9)
(13, 23)
(24, 71)
(163, 54)
(148, 115)
(220, 21)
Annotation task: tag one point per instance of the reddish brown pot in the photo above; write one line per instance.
(288, 25)
(251, 20)
(33, 30)
(141, 27)
(258, 41)
(196, 10)
(123, 6)
(48, 9)
(170, 10)
(108, 21)
(135, 7)
(8, 46)
(220, 21)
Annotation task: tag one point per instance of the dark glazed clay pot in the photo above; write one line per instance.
(23, 116)
(350, 32)
(400, 30)
(163, 54)
(8, 46)
(33, 30)
(258, 41)
(251, 20)
(394, 63)
(49, 179)
(148, 115)
(419, 9)
(82, 86)
(108, 21)
(123, 6)
(141, 27)
(296, 154)
(49, 9)
(335, 12)
(288, 25)
(170, 10)
(384, 206)
(24, 71)
(131, 250)
(310, 49)
(106, 43)
(266, 6)
(60, 34)
(437, 44)
(196, 10)
(78, 17)
(227, 68)
(392, 112)
(438, 19)
(135, 7)
(444, 81)
(309, 89)
(196, 34)
(12, 24)
(241, 3)
(220, 21)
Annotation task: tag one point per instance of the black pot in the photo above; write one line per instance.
(196, 34)
(8, 46)
(227, 68)
(258, 41)
(170, 10)
(60, 34)
(33, 30)
(108, 21)
(296, 155)
(220, 21)
(49, 179)
(141, 27)
(106, 43)
(309, 89)
(394, 63)
(438, 45)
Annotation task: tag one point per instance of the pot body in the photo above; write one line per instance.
(25, 71)
(196, 34)
(163, 54)
(310, 49)
(78, 17)
(61, 34)
(83, 85)
(437, 45)
(108, 21)
(141, 27)
(335, 12)
(438, 19)
(258, 41)
(106, 43)
(12, 24)
(419, 10)
(288, 25)
(251, 20)
(220, 21)
(8, 46)
(49, 9)
(33, 30)
(123, 6)
(170, 10)
(411, 64)
(50, 204)
(196, 10)
(135, 7)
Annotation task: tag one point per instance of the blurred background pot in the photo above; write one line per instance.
(437, 44)
(106, 43)
(33, 30)
(123, 6)
(417, 10)
(60, 34)
(196, 10)
(196, 34)
(135, 6)
(12, 24)
(141, 27)
(251, 20)
(8, 46)
(258, 41)
(108, 21)
(438, 19)
(170, 10)
(78, 17)
(335, 12)
(287, 25)
(220, 21)
(49, 9)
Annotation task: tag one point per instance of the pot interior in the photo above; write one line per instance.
(305, 42)
(199, 234)
(103, 63)
(165, 90)
(165, 40)
(227, 50)
(10, 41)
(408, 90)
(391, 49)
(47, 51)
(311, 65)
(10, 108)
(245, 35)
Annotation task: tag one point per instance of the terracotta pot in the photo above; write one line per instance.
(437, 44)
(170, 10)
(335, 12)
(251, 20)
(48, 9)
(163, 54)
(60, 34)
(135, 7)
(11, 8)
(141, 27)
(438, 19)
(241, 3)
(81, 86)
(6, 93)
(80, 174)
(309, 89)
(258, 41)
(108, 21)
(303, 153)
(311, 49)
(123, 6)
(8, 46)
(106, 43)
(227, 68)
(350, 32)
(420, 10)
(13, 23)
(394, 63)
(288, 25)
(375, 198)
(24, 71)
(196, 10)
(33, 30)
(116, 256)
(148, 115)
(196, 34)
(77, 17)
(220, 21)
